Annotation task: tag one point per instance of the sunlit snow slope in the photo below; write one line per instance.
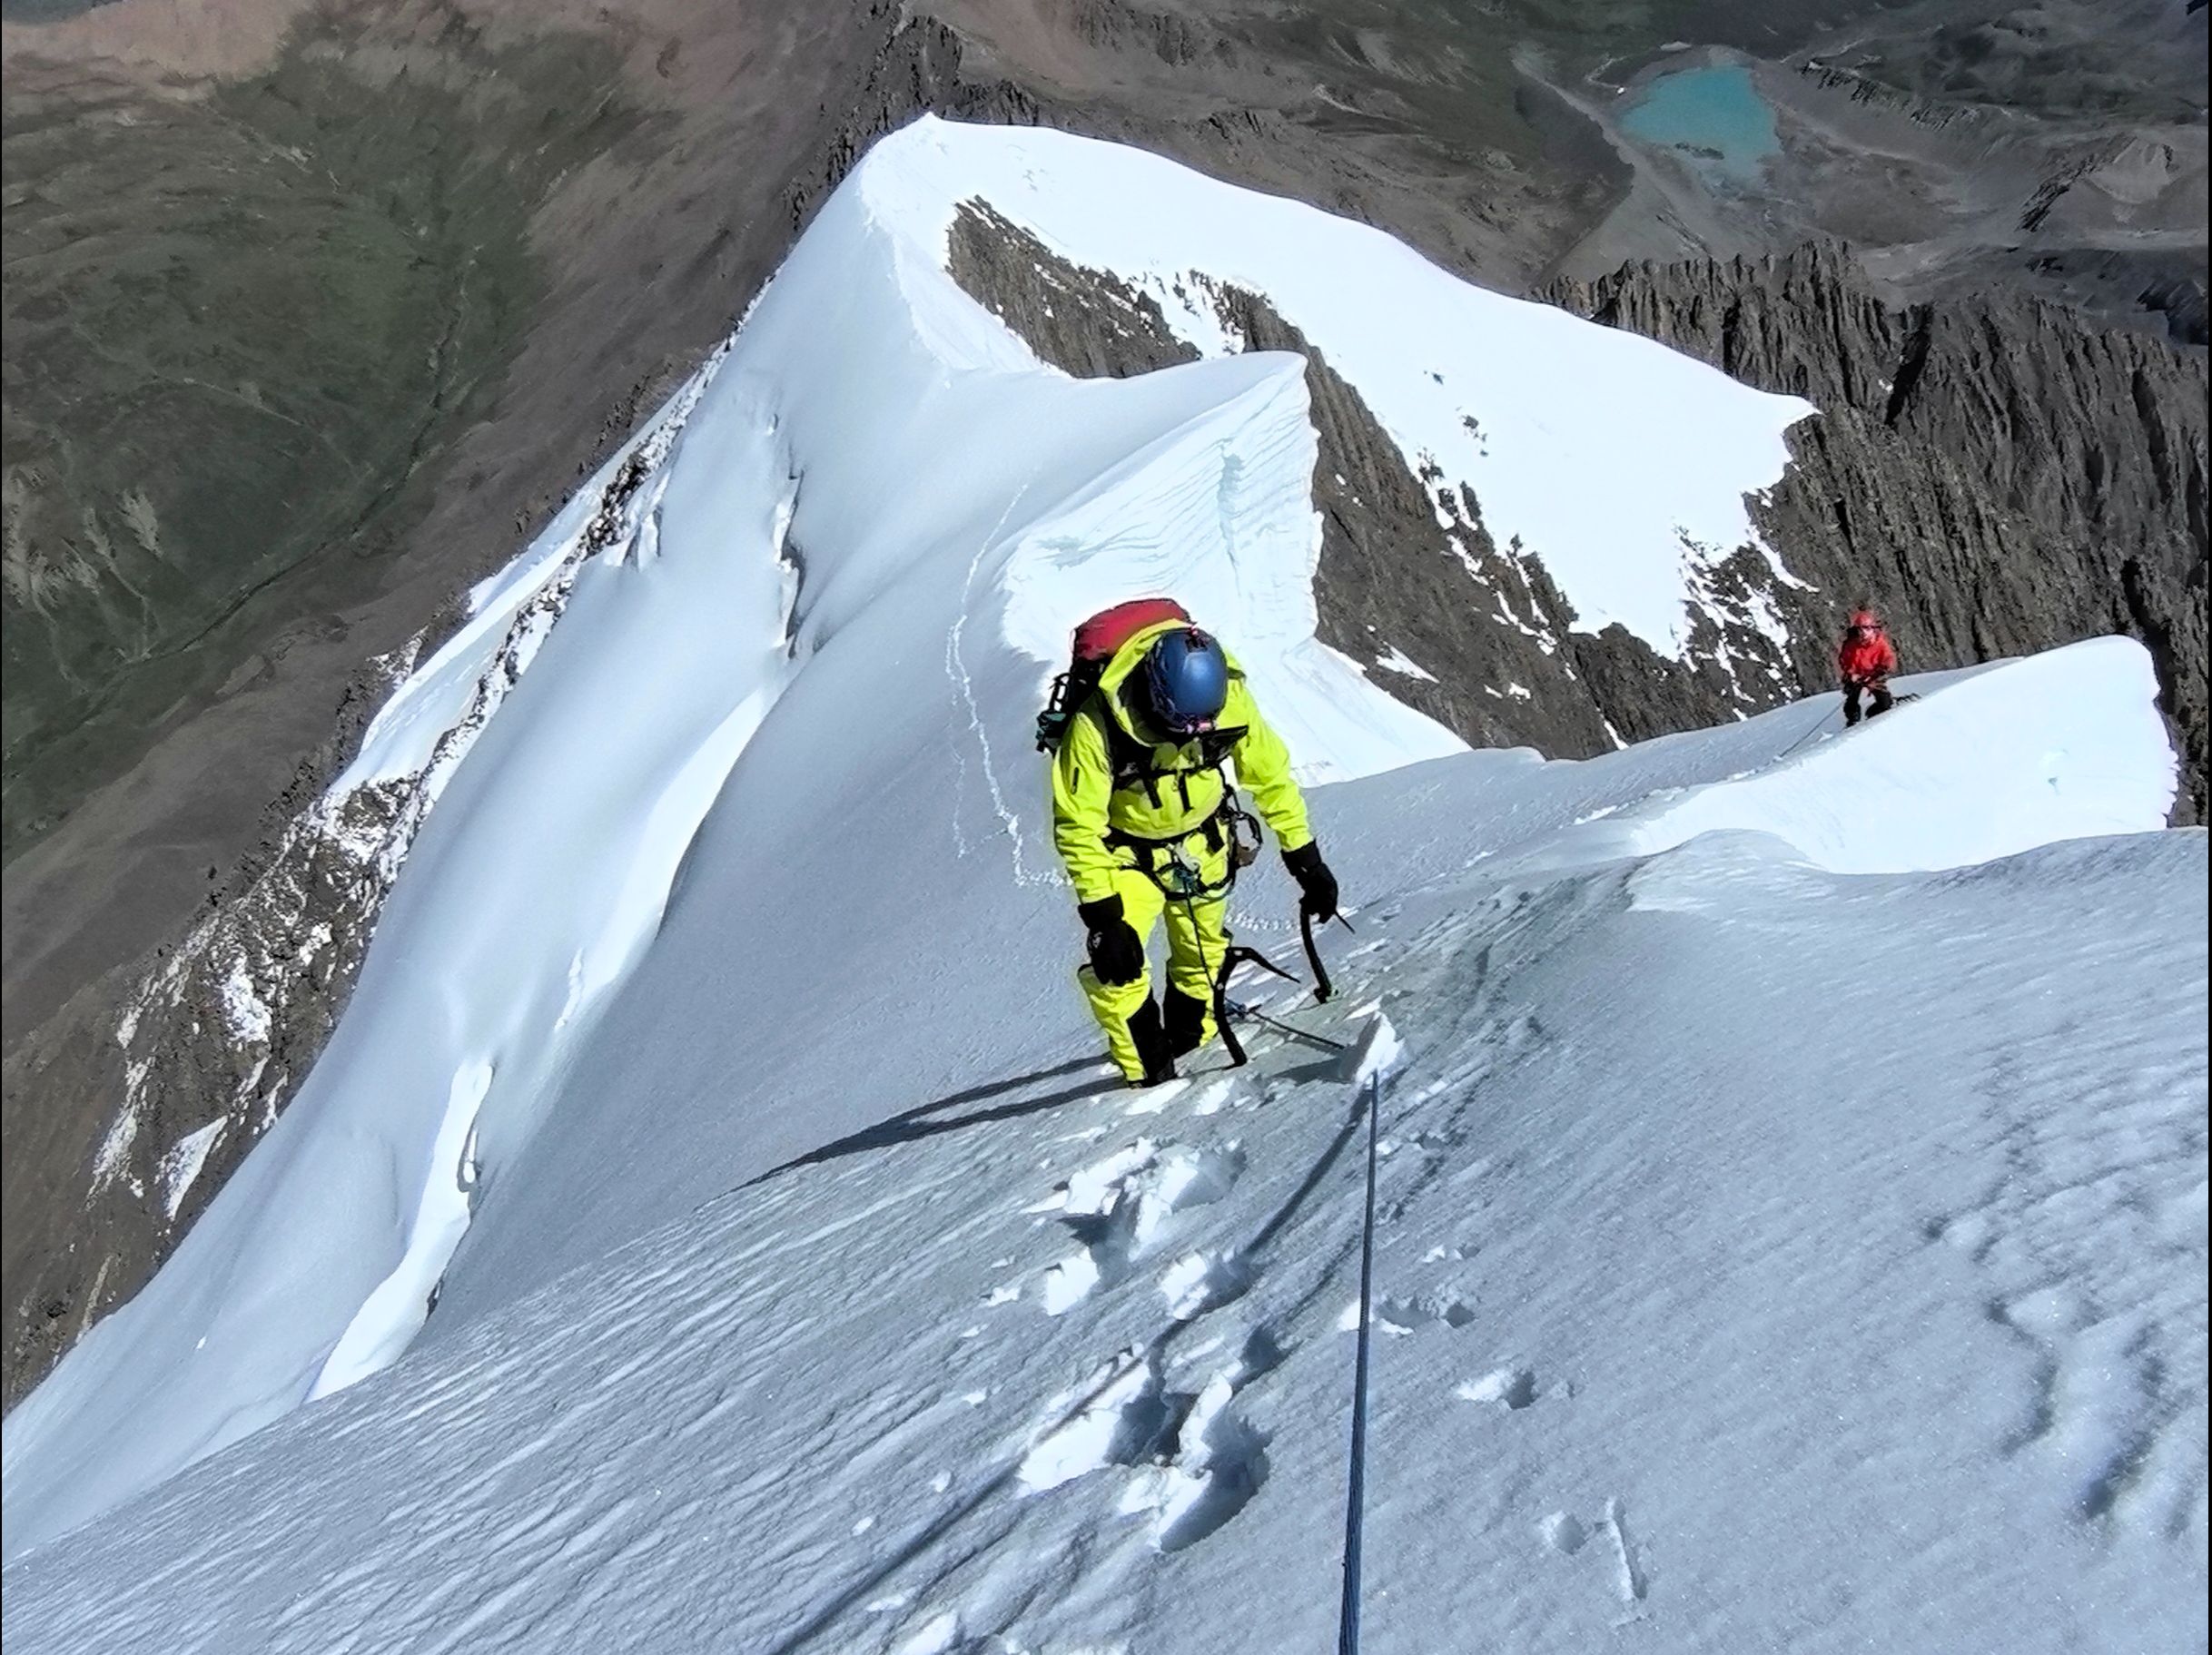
(746, 878)
(1770, 1257)
(826, 612)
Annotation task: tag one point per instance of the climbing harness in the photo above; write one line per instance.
(1170, 863)
(1355, 1499)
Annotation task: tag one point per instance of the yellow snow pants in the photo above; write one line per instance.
(1197, 938)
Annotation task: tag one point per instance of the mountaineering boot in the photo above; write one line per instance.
(1152, 1041)
(1184, 1022)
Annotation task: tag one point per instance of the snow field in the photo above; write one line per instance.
(1794, 1219)
(1889, 1331)
(829, 533)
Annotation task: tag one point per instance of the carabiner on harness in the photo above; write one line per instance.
(1181, 875)
(1243, 835)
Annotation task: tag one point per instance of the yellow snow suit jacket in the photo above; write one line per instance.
(1180, 789)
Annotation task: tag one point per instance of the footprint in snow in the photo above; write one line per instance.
(1210, 1465)
(1567, 1534)
(1514, 1388)
(1564, 1532)
(1118, 1208)
(1399, 1317)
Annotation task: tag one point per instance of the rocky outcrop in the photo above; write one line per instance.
(1999, 477)
(916, 68)
(2164, 283)
(1997, 474)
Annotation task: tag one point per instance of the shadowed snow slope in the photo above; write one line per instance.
(717, 1062)
(1769, 1256)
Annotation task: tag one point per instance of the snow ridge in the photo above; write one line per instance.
(745, 1124)
(572, 764)
(1041, 1364)
(1620, 464)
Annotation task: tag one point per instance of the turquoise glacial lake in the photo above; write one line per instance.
(1714, 113)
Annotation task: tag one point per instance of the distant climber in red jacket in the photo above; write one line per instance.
(1865, 661)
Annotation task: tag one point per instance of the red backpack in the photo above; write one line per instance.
(1096, 642)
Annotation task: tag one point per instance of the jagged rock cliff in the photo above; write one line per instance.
(1997, 474)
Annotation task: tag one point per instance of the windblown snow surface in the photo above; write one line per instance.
(1793, 1223)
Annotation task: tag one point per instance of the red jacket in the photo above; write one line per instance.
(1866, 658)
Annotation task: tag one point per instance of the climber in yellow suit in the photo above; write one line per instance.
(1144, 819)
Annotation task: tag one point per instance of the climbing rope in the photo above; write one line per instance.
(1807, 737)
(1895, 701)
(1355, 1501)
(1355, 1509)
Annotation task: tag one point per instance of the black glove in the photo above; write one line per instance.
(1314, 880)
(1117, 952)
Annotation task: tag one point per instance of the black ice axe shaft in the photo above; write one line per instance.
(1322, 989)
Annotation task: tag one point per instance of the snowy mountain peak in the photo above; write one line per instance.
(1620, 464)
(716, 1068)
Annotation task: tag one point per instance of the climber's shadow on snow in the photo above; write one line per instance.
(927, 1119)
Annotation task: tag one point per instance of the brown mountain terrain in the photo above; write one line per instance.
(316, 311)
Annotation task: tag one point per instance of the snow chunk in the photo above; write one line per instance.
(181, 1164)
(1375, 1052)
(1395, 660)
(242, 1006)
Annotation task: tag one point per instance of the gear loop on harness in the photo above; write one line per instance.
(1183, 878)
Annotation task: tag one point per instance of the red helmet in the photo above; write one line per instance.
(1866, 620)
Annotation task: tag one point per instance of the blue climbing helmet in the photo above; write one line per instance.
(1186, 681)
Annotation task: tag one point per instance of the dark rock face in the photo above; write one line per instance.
(1081, 322)
(1997, 474)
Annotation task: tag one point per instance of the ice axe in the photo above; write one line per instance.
(1322, 987)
